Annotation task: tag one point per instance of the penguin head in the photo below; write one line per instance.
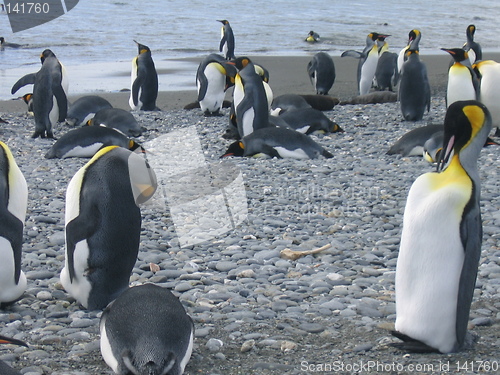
(240, 62)
(263, 72)
(134, 146)
(471, 30)
(459, 54)
(27, 98)
(224, 22)
(463, 122)
(235, 149)
(45, 54)
(142, 48)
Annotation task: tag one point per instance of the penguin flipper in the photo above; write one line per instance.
(471, 234)
(203, 86)
(78, 230)
(28, 79)
(136, 86)
(62, 102)
(222, 41)
(352, 53)
(12, 230)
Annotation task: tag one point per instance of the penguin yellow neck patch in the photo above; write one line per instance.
(453, 174)
(476, 117)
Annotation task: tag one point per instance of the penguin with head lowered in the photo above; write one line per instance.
(146, 331)
(250, 99)
(414, 87)
(50, 102)
(13, 203)
(212, 81)
(85, 108)
(144, 81)
(321, 70)
(226, 45)
(103, 225)
(441, 239)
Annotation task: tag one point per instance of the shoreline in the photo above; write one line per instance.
(287, 75)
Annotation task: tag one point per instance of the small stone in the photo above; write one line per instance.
(44, 295)
(247, 346)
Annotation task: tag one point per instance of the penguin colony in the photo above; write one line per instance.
(442, 225)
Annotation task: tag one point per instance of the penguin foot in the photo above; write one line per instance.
(212, 114)
(411, 345)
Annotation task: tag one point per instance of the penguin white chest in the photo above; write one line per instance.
(460, 86)
(9, 291)
(368, 72)
(216, 82)
(430, 261)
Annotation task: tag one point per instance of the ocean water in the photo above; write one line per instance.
(95, 39)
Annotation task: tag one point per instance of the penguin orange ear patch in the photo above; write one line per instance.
(476, 117)
(241, 145)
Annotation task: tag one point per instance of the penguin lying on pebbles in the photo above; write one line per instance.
(84, 108)
(118, 119)
(310, 120)
(84, 142)
(146, 331)
(279, 143)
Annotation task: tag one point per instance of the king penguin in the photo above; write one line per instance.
(472, 47)
(212, 81)
(441, 239)
(144, 81)
(84, 142)
(488, 72)
(414, 37)
(367, 64)
(226, 45)
(146, 331)
(103, 225)
(50, 102)
(85, 108)
(386, 74)
(277, 142)
(250, 99)
(321, 70)
(463, 83)
(118, 119)
(414, 87)
(5, 369)
(13, 203)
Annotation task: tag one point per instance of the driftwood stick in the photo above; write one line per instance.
(294, 255)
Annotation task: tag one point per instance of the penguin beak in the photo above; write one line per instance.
(8, 340)
(444, 157)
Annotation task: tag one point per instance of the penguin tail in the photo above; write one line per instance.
(326, 154)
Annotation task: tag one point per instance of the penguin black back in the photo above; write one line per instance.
(103, 224)
(146, 331)
(144, 89)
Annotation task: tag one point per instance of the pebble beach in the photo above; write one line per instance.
(254, 311)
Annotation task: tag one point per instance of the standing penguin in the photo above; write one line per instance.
(146, 331)
(441, 240)
(367, 65)
(414, 37)
(226, 45)
(50, 102)
(13, 203)
(144, 81)
(250, 99)
(321, 70)
(386, 74)
(103, 225)
(414, 87)
(488, 72)
(463, 83)
(212, 81)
